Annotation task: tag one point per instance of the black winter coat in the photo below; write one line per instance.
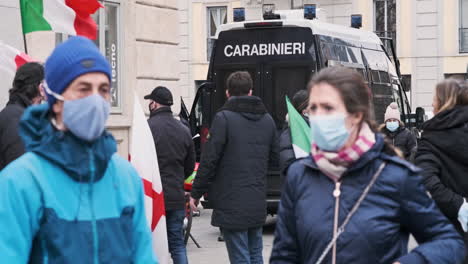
(234, 163)
(176, 155)
(11, 145)
(443, 157)
(404, 140)
(396, 205)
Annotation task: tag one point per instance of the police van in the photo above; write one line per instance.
(281, 55)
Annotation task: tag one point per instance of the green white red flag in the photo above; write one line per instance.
(72, 17)
(11, 59)
(300, 132)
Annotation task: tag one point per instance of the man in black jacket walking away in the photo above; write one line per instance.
(234, 166)
(176, 159)
(24, 93)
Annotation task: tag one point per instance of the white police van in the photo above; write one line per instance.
(281, 55)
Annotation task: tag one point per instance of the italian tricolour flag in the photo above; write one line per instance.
(300, 132)
(72, 17)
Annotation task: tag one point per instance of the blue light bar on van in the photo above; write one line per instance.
(310, 11)
(356, 21)
(263, 24)
(239, 14)
(269, 12)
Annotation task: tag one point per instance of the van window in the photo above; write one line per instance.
(376, 60)
(337, 52)
(355, 55)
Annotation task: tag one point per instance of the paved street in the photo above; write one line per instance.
(213, 251)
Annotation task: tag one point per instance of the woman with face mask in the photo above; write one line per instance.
(443, 153)
(399, 135)
(353, 200)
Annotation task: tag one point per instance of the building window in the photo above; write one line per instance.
(457, 76)
(216, 16)
(406, 82)
(108, 41)
(463, 26)
(385, 20)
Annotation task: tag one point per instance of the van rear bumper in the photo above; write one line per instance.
(272, 204)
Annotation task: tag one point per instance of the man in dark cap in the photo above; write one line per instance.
(176, 160)
(25, 92)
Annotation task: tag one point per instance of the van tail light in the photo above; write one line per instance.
(204, 135)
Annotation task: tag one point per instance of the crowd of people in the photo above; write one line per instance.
(67, 197)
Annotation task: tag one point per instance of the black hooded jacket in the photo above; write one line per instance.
(11, 145)
(176, 155)
(404, 140)
(443, 157)
(234, 163)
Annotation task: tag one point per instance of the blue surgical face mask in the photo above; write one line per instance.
(329, 131)
(86, 117)
(392, 126)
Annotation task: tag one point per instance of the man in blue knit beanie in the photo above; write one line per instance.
(71, 198)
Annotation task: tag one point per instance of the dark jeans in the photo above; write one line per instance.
(244, 246)
(175, 235)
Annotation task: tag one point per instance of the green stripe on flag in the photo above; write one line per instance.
(32, 16)
(300, 132)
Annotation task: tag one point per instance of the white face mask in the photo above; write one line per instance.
(392, 126)
(329, 132)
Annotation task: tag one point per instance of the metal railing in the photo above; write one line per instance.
(463, 40)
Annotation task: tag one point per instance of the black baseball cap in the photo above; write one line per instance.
(161, 95)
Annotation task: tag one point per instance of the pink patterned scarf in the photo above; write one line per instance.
(334, 164)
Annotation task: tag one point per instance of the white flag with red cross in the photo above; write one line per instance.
(11, 59)
(144, 158)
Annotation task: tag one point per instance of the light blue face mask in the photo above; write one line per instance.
(392, 126)
(329, 132)
(86, 117)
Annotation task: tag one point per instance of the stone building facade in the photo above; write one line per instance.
(146, 42)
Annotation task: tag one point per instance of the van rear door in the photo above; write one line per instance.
(280, 60)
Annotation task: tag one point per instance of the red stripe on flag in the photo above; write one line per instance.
(21, 59)
(158, 203)
(84, 23)
(84, 6)
(86, 27)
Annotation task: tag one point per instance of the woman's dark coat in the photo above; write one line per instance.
(395, 206)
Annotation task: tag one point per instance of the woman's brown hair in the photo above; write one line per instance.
(450, 93)
(355, 93)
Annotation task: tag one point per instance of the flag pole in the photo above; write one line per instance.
(22, 28)
(25, 44)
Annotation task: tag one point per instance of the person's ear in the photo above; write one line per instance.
(57, 108)
(357, 118)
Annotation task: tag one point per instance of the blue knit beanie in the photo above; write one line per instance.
(71, 59)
